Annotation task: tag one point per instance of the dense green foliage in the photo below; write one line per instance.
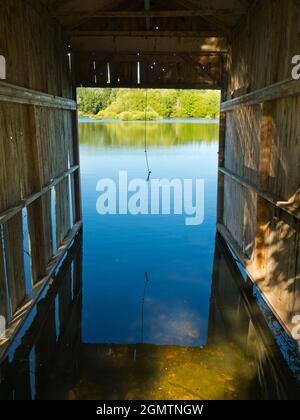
(130, 104)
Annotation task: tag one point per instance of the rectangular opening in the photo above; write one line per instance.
(138, 73)
(155, 134)
(71, 199)
(2, 67)
(69, 57)
(27, 252)
(53, 220)
(6, 309)
(108, 74)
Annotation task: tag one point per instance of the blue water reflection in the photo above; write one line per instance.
(120, 249)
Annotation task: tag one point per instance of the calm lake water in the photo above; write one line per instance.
(145, 307)
(119, 305)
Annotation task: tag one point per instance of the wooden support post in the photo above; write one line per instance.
(76, 161)
(222, 135)
(35, 211)
(77, 274)
(268, 131)
(13, 240)
(3, 294)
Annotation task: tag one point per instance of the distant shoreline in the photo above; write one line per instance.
(86, 119)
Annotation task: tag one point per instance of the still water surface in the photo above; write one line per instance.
(120, 249)
(145, 307)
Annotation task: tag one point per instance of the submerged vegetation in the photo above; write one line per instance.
(148, 372)
(132, 104)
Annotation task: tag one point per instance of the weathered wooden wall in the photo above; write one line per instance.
(238, 316)
(49, 349)
(159, 70)
(39, 179)
(260, 175)
(259, 178)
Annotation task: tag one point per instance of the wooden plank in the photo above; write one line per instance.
(46, 206)
(13, 33)
(77, 273)
(14, 139)
(14, 253)
(280, 274)
(239, 214)
(12, 211)
(285, 206)
(38, 237)
(270, 93)
(16, 94)
(36, 220)
(62, 210)
(221, 158)
(147, 42)
(179, 69)
(151, 13)
(77, 210)
(284, 179)
(242, 142)
(129, 55)
(156, 34)
(254, 312)
(21, 315)
(199, 69)
(246, 263)
(263, 210)
(3, 291)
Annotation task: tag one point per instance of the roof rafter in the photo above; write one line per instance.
(152, 13)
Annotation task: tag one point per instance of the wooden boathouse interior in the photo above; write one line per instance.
(242, 47)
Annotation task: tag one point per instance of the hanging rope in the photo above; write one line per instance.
(146, 152)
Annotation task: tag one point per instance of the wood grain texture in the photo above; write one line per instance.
(3, 291)
(13, 242)
(15, 94)
(262, 153)
(285, 88)
(36, 142)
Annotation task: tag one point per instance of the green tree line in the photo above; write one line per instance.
(154, 104)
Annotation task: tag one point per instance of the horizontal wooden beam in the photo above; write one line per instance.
(176, 34)
(101, 58)
(284, 206)
(147, 44)
(270, 93)
(16, 94)
(153, 85)
(12, 211)
(151, 13)
(134, 56)
(22, 313)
